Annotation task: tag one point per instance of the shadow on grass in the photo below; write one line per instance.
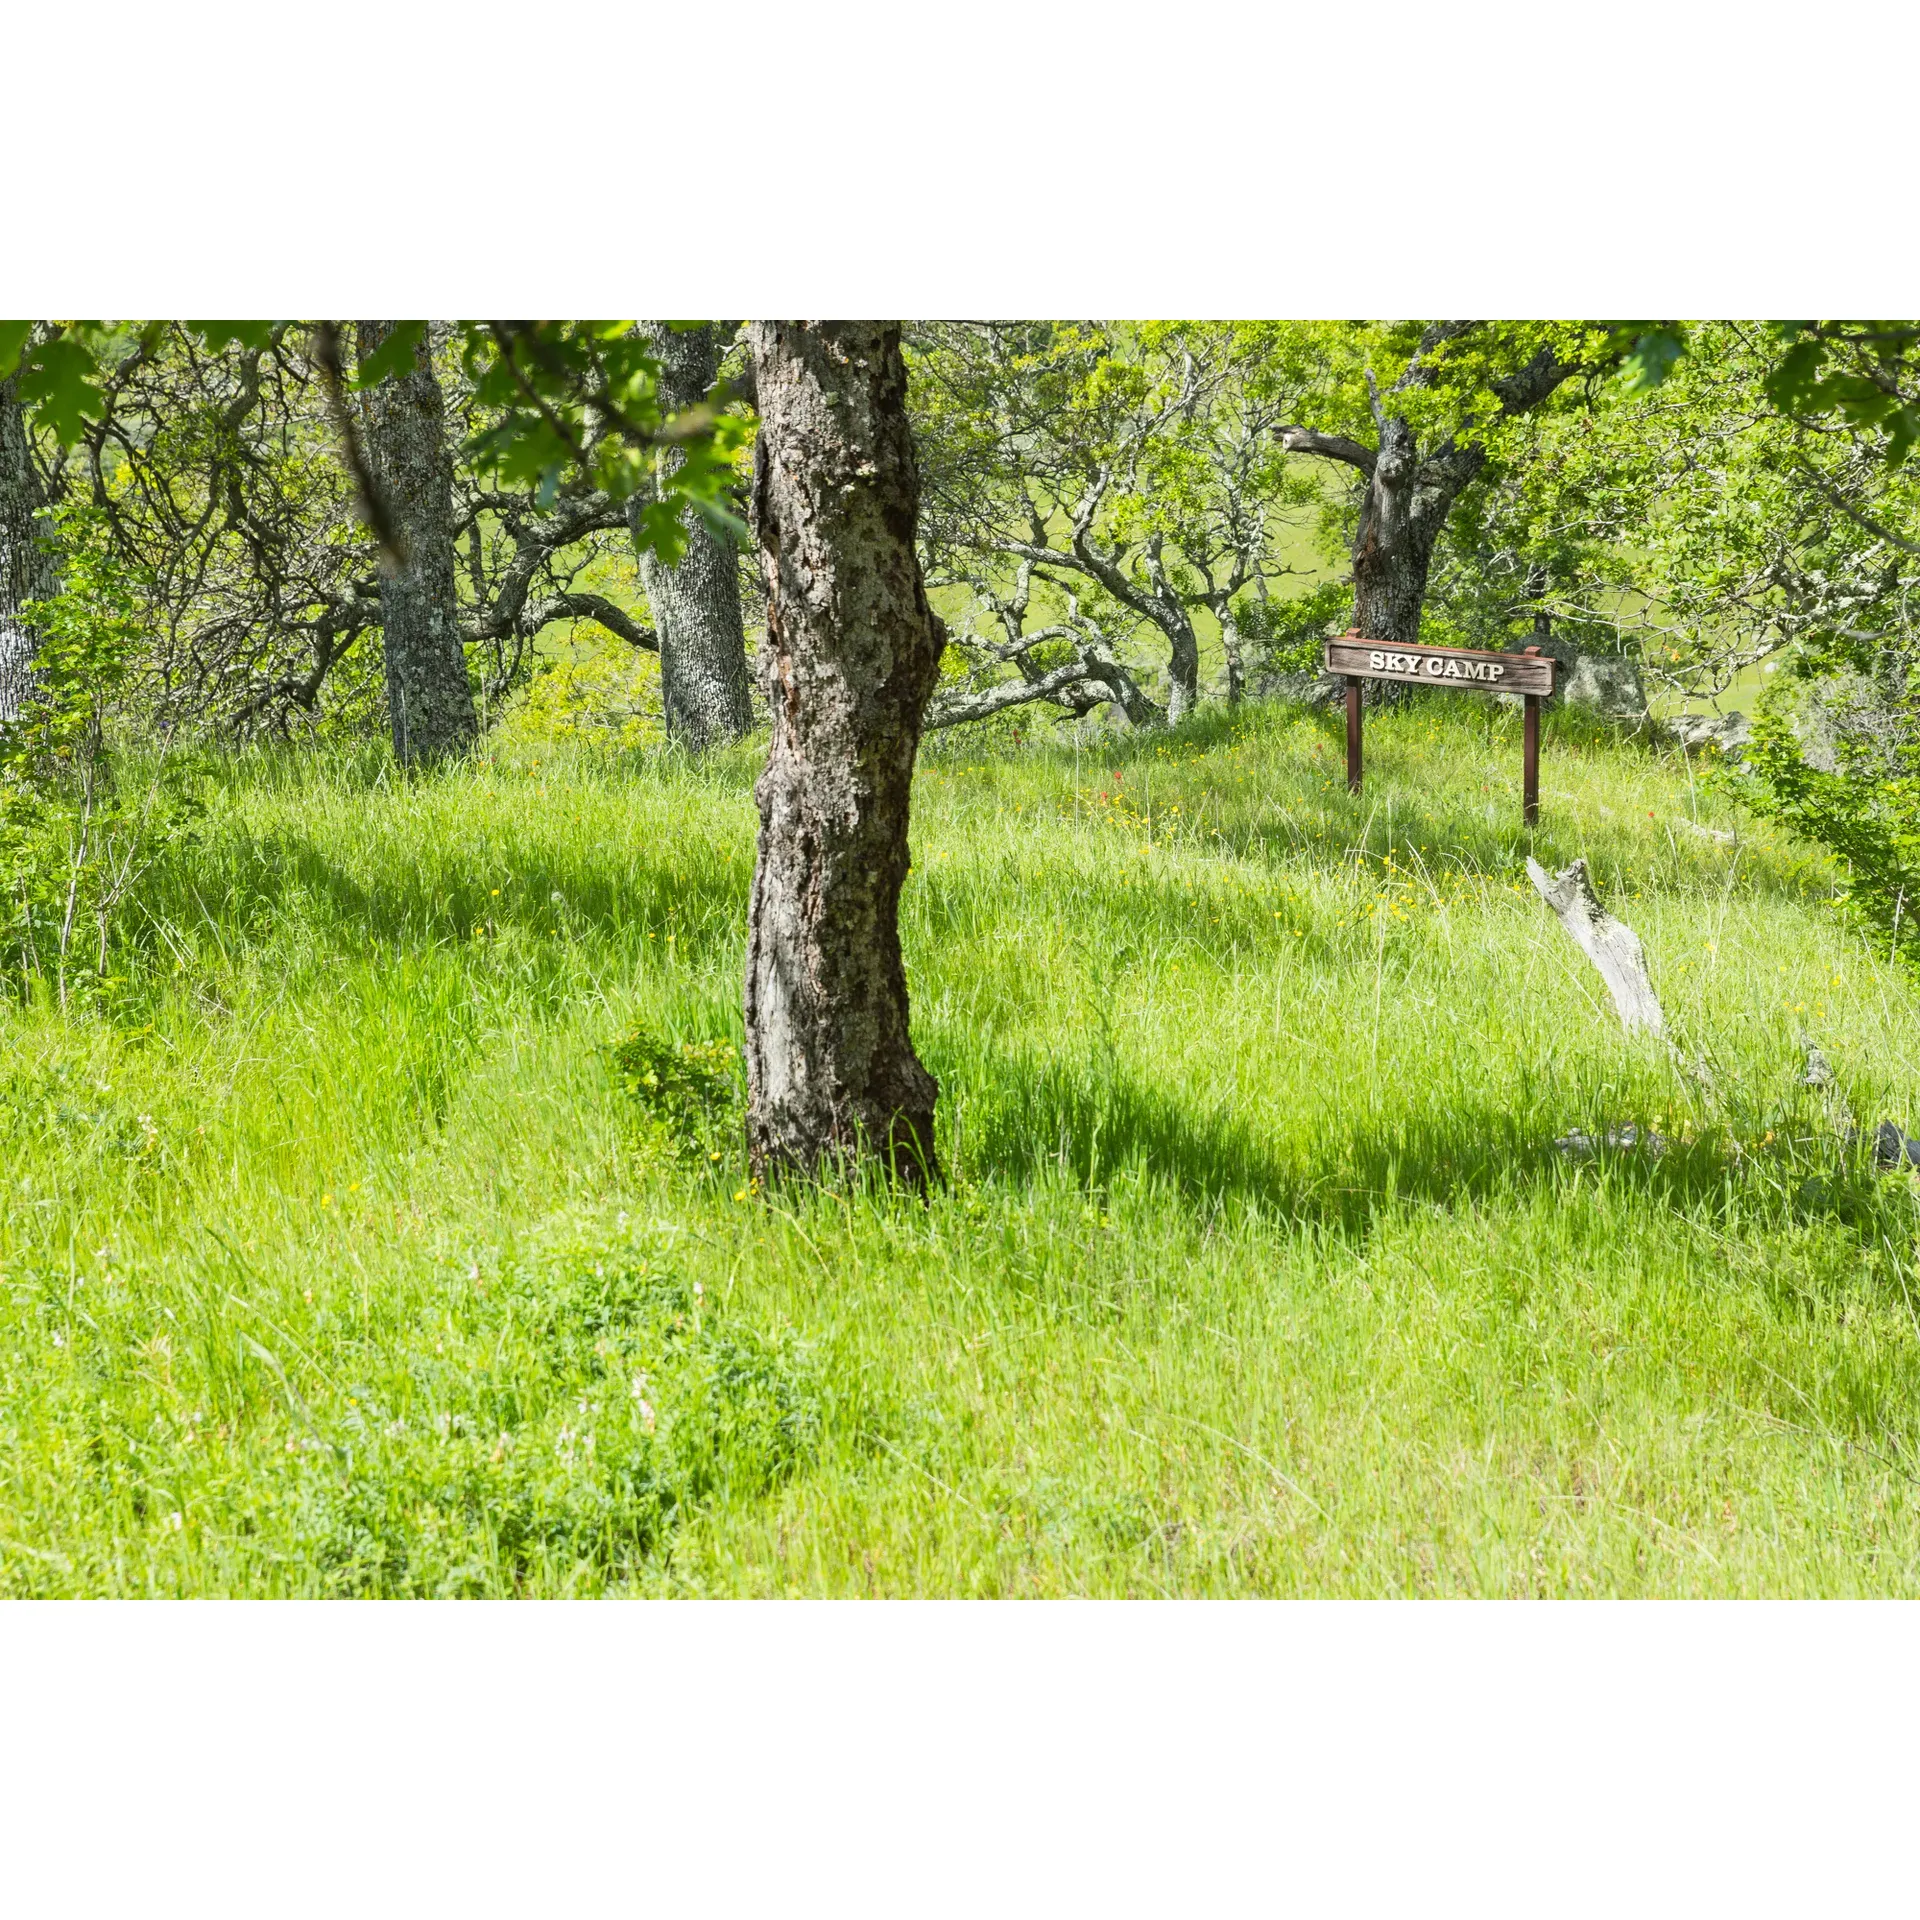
(249, 886)
(1013, 1116)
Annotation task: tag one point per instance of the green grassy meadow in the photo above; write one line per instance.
(383, 1229)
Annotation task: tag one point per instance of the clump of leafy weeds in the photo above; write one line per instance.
(623, 1403)
(691, 1094)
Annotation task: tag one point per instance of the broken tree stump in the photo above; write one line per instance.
(1820, 1077)
(1610, 944)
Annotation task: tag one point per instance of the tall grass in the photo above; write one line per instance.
(340, 1254)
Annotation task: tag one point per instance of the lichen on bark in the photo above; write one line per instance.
(27, 569)
(429, 696)
(852, 653)
(704, 681)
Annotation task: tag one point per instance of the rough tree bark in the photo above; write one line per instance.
(27, 570)
(1231, 644)
(1405, 506)
(1393, 546)
(1183, 644)
(429, 698)
(696, 604)
(852, 653)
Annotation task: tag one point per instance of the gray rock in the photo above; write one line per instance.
(1892, 1148)
(1606, 684)
(1700, 732)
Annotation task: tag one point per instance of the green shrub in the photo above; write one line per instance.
(1865, 813)
(691, 1093)
(76, 833)
(627, 1405)
(1286, 636)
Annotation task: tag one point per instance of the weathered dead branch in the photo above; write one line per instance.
(1610, 944)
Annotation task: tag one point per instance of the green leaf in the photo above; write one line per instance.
(554, 387)
(57, 387)
(255, 335)
(1794, 382)
(13, 339)
(657, 529)
(1653, 356)
(393, 356)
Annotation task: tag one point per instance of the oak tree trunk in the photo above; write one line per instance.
(27, 570)
(696, 604)
(852, 653)
(1168, 611)
(1235, 654)
(429, 697)
(1400, 521)
(1183, 669)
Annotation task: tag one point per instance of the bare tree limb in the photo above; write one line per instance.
(957, 708)
(595, 607)
(1329, 446)
(1853, 513)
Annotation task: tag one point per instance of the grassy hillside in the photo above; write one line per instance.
(385, 1230)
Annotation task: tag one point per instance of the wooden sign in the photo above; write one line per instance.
(1457, 670)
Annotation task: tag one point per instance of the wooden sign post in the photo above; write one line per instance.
(1457, 670)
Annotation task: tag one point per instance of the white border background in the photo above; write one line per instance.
(989, 158)
(1739, 157)
(954, 1758)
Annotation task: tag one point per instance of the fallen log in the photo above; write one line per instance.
(1584, 1146)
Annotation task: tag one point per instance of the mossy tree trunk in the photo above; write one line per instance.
(429, 697)
(853, 651)
(27, 570)
(696, 603)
